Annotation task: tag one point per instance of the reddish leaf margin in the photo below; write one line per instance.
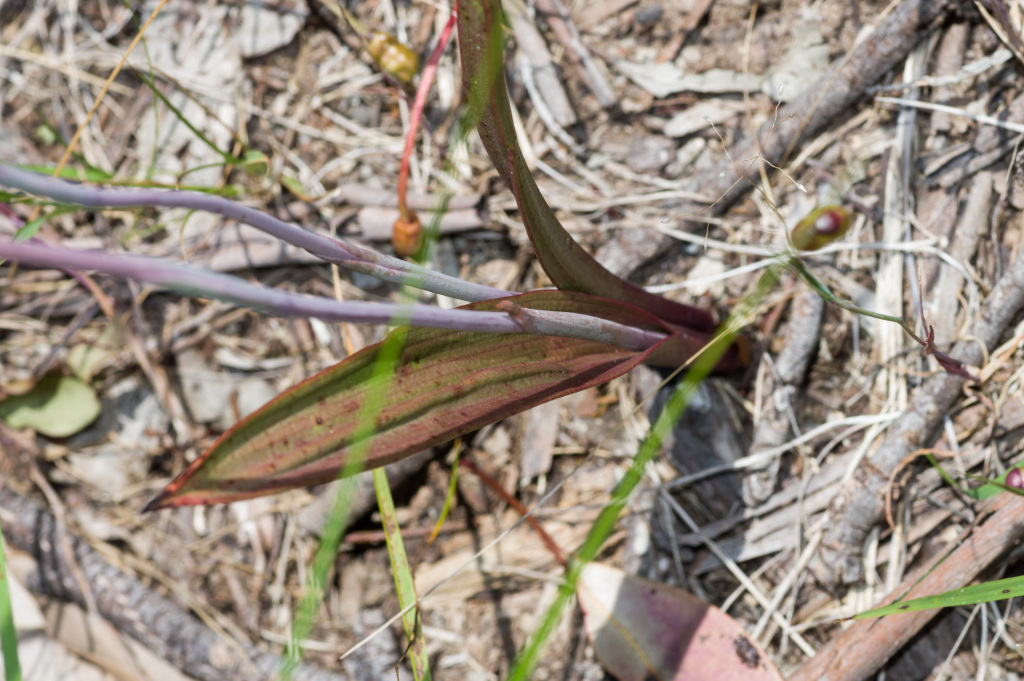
(446, 384)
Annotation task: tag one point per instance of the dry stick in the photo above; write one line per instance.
(860, 650)
(860, 503)
(131, 607)
(970, 229)
(835, 95)
(773, 428)
(562, 26)
(530, 518)
(533, 51)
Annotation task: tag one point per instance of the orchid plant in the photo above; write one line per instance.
(458, 369)
(441, 373)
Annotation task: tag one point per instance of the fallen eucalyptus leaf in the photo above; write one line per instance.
(645, 630)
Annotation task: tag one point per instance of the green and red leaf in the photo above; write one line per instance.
(445, 384)
(568, 265)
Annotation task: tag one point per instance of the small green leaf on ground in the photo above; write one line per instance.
(58, 406)
(256, 162)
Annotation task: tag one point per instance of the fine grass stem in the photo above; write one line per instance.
(8, 633)
(701, 367)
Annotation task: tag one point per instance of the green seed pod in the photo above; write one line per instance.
(821, 227)
(397, 59)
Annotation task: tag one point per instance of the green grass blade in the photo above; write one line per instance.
(31, 228)
(317, 583)
(182, 118)
(649, 448)
(453, 486)
(404, 586)
(8, 634)
(969, 595)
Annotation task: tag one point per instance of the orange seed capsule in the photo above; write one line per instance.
(821, 227)
(407, 235)
(397, 59)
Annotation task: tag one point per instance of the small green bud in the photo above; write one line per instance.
(821, 227)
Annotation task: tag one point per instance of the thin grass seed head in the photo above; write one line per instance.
(821, 227)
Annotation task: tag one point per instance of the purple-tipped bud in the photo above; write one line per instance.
(821, 227)
(1015, 478)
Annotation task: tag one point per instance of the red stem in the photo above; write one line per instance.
(514, 503)
(417, 111)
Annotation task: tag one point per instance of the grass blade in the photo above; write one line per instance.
(987, 592)
(702, 365)
(8, 634)
(404, 586)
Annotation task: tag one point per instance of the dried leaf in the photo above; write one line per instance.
(648, 630)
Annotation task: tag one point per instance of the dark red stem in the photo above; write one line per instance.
(426, 79)
(514, 503)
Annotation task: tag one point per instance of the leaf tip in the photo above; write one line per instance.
(158, 503)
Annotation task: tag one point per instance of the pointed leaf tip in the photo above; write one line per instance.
(569, 266)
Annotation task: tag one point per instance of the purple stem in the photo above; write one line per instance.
(330, 250)
(203, 283)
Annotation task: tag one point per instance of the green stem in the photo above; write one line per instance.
(703, 365)
(827, 294)
(8, 634)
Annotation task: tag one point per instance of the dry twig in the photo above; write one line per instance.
(130, 606)
(835, 95)
(861, 504)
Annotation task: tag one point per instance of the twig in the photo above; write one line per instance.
(60, 527)
(772, 429)
(562, 26)
(158, 623)
(861, 504)
(865, 646)
(496, 487)
(834, 95)
(954, 111)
